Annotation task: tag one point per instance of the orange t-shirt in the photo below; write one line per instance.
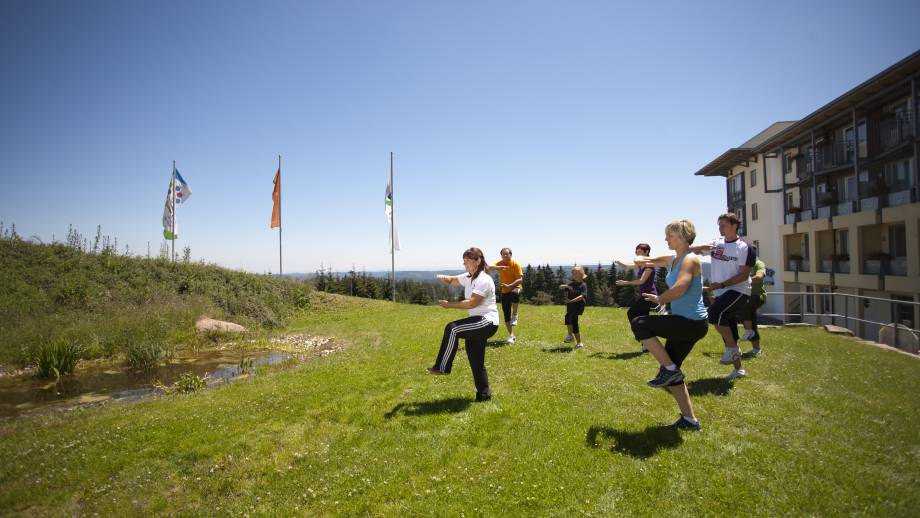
(510, 274)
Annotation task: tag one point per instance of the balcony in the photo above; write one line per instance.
(836, 264)
(835, 154)
(736, 199)
(798, 264)
(895, 130)
(884, 264)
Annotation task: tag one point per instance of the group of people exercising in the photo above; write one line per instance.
(682, 317)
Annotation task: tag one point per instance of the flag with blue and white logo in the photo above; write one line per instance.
(178, 193)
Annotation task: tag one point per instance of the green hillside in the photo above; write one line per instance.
(823, 425)
(108, 304)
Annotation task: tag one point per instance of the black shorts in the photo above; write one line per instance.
(724, 310)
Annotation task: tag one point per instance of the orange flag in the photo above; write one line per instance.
(276, 197)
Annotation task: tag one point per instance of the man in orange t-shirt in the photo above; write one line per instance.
(511, 278)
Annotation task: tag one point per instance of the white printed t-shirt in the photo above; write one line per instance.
(728, 257)
(483, 286)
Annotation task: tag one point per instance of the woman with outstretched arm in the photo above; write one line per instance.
(479, 326)
(687, 323)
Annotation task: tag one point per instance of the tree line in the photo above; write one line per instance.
(541, 286)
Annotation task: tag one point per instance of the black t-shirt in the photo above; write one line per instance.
(577, 288)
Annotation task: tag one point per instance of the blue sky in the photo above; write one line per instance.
(568, 131)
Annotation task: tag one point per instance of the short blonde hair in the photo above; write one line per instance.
(682, 229)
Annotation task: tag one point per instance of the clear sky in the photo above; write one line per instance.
(568, 131)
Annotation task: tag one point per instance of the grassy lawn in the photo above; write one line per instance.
(822, 426)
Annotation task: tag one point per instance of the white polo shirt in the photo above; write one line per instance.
(728, 257)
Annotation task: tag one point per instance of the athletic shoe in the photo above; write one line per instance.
(483, 397)
(510, 339)
(665, 378)
(730, 356)
(643, 349)
(579, 345)
(753, 353)
(569, 339)
(514, 320)
(737, 373)
(748, 334)
(684, 424)
(436, 372)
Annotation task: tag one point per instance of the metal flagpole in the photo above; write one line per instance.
(392, 233)
(279, 216)
(172, 201)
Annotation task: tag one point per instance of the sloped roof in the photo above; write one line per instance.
(736, 155)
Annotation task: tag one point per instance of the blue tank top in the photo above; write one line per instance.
(690, 304)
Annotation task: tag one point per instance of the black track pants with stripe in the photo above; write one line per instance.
(475, 331)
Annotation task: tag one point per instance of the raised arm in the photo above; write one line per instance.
(637, 282)
(662, 261)
(450, 280)
(690, 265)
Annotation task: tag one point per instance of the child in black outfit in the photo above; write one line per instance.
(575, 296)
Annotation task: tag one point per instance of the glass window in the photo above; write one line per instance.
(897, 240)
(904, 312)
(843, 242)
(753, 178)
(809, 299)
(753, 212)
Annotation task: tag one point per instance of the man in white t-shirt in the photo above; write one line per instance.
(732, 260)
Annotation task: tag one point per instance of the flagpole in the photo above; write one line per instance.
(172, 200)
(279, 216)
(392, 233)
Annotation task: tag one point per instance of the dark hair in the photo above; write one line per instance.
(503, 251)
(645, 246)
(731, 218)
(475, 253)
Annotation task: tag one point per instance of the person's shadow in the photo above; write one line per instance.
(714, 386)
(421, 408)
(618, 356)
(640, 445)
(497, 343)
(560, 349)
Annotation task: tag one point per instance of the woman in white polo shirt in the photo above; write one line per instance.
(479, 300)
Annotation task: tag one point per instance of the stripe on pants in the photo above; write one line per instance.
(452, 341)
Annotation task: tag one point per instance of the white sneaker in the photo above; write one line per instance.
(514, 320)
(731, 356)
(569, 339)
(748, 334)
(510, 339)
(579, 345)
(737, 373)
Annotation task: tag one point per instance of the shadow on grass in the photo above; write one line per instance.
(560, 349)
(497, 343)
(618, 356)
(640, 445)
(420, 408)
(715, 386)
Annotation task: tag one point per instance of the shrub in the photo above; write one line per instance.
(57, 357)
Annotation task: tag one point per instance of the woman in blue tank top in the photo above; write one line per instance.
(686, 324)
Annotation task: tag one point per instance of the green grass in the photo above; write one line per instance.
(822, 426)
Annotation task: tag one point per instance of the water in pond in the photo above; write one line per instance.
(94, 382)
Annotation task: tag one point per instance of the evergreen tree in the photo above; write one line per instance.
(627, 294)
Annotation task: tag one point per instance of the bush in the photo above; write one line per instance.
(57, 357)
(147, 353)
(541, 298)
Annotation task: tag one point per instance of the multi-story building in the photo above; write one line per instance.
(840, 206)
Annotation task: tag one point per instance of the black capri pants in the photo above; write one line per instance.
(750, 313)
(639, 308)
(724, 310)
(572, 312)
(680, 333)
(512, 297)
(475, 331)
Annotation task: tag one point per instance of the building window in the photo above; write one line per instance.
(897, 240)
(753, 212)
(789, 204)
(809, 300)
(826, 301)
(753, 178)
(903, 313)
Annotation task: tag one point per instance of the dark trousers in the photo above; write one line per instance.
(508, 299)
(572, 312)
(680, 333)
(639, 308)
(475, 331)
(750, 313)
(724, 310)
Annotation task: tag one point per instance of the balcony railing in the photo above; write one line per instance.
(835, 154)
(798, 265)
(831, 265)
(896, 130)
(736, 199)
